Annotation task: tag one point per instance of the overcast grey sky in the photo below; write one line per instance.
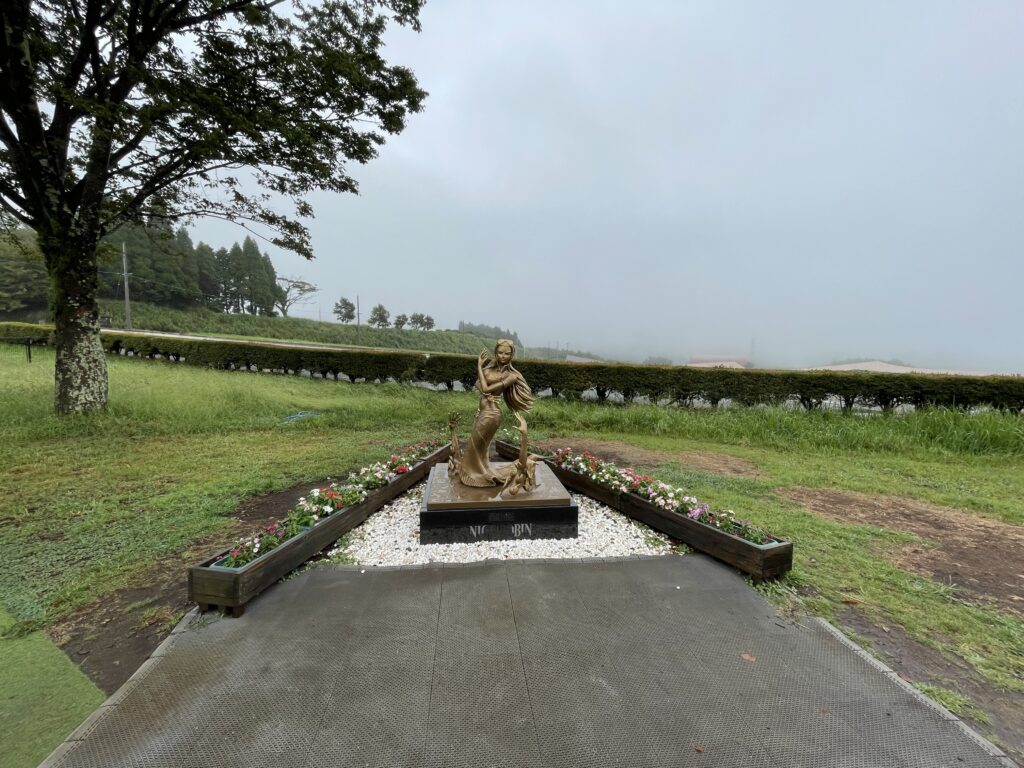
(810, 181)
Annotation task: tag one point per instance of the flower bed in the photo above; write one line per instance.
(232, 578)
(324, 502)
(660, 494)
(671, 510)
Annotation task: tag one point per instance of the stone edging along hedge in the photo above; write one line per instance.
(675, 384)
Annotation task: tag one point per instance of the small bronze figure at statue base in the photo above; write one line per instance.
(523, 496)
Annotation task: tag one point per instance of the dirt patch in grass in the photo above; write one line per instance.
(629, 455)
(260, 510)
(980, 557)
(919, 663)
(111, 638)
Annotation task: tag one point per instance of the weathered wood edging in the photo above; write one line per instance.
(232, 588)
(761, 561)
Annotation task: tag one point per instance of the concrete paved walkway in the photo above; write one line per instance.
(671, 661)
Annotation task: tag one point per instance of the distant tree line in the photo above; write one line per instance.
(165, 268)
(379, 317)
(489, 331)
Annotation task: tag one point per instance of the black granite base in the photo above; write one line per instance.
(452, 513)
(564, 515)
(468, 534)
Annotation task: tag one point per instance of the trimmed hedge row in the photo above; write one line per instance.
(687, 386)
(679, 385)
(22, 333)
(233, 355)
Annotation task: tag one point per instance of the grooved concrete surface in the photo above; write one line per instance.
(670, 661)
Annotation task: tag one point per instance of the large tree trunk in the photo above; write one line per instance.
(80, 376)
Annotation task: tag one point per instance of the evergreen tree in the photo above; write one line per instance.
(222, 259)
(189, 280)
(269, 291)
(251, 277)
(208, 278)
(137, 245)
(236, 284)
(165, 262)
(166, 268)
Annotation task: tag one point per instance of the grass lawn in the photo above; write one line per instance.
(44, 696)
(91, 503)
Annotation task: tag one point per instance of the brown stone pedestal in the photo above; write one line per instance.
(452, 512)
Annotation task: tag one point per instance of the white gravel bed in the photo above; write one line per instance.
(391, 537)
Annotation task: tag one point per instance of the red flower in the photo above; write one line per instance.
(401, 469)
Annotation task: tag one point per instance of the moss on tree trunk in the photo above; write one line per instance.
(80, 373)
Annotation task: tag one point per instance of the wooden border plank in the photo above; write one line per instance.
(761, 561)
(232, 588)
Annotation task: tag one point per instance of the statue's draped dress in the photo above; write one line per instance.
(475, 469)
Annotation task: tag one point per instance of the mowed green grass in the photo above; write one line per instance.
(44, 697)
(91, 502)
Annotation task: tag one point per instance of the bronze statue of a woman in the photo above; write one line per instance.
(496, 378)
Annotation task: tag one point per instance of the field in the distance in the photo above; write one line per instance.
(101, 515)
(207, 322)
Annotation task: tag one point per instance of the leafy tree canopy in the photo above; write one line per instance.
(176, 107)
(344, 310)
(379, 317)
(292, 291)
(112, 110)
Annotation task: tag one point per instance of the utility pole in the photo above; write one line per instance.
(359, 332)
(127, 298)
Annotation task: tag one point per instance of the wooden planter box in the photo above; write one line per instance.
(232, 588)
(761, 561)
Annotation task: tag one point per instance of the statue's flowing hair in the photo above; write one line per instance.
(518, 395)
